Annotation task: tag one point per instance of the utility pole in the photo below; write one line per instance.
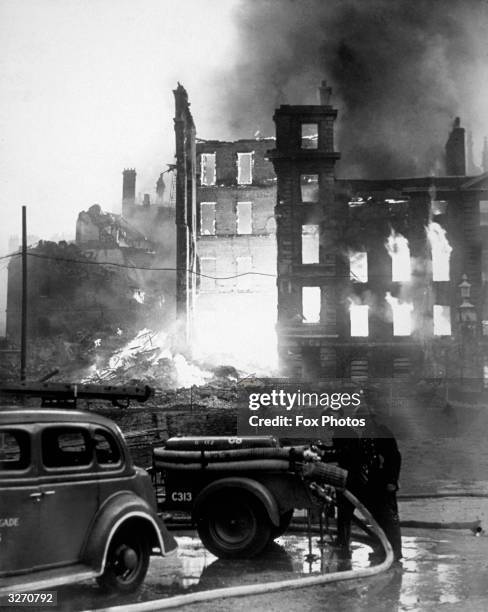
(23, 332)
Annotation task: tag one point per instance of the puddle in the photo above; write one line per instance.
(291, 556)
(432, 572)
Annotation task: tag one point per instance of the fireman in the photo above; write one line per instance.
(346, 450)
(381, 462)
(373, 462)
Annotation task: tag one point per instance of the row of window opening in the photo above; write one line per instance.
(313, 313)
(401, 265)
(244, 218)
(208, 168)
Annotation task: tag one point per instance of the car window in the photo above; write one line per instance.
(66, 447)
(14, 449)
(106, 448)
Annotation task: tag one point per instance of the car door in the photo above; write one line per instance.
(19, 501)
(69, 488)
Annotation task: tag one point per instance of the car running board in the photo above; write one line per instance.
(45, 579)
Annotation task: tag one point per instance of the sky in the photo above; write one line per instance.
(86, 91)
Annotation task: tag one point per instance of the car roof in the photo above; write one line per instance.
(13, 414)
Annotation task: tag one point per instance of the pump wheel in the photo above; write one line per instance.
(234, 524)
(127, 562)
(285, 520)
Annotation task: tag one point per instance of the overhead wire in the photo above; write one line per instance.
(92, 262)
(153, 268)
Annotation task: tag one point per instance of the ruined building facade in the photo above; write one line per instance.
(307, 263)
(235, 203)
(185, 206)
(236, 249)
(371, 273)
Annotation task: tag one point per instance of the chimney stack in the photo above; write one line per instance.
(160, 186)
(456, 150)
(128, 191)
(325, 94)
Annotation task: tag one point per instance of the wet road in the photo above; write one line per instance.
(443, 569)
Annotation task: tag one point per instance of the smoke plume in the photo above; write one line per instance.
(400, 71)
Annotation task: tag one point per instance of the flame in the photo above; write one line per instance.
(402, 315)
(139, 296)
(359, 315)
(358, 266)
(442, 320)
(399, 251)
(150, 348)
(441, 251)
(310, 244)
(311, 304)
(238, 330)
(189, 374)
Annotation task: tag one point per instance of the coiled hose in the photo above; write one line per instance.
(269, 587)
(248, 460)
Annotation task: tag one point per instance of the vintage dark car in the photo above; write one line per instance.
(72, 503)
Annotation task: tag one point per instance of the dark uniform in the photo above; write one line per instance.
(346, 451)
(381, 470)
(373, 464)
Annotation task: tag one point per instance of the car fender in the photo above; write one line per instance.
(121, 508)
(247, 484)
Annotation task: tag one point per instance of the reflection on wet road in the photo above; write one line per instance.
(434, 571)
(288, 557)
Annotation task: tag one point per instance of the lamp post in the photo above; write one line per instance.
(467, 319)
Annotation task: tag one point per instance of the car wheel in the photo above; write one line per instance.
(127, 562)
(234, 525)
(285, 520)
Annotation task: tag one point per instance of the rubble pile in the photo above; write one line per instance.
(149, 359)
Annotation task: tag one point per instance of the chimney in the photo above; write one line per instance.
(147, 200)
(456, 150)
(128, 191)
(325, 94)
(160, 186)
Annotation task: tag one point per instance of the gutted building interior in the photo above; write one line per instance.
(236, 247)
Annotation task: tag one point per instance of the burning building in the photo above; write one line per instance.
(236, 250)
(371, 272)
(280, 262)
(374, 278)
(226, 247)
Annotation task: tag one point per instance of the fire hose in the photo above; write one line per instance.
(245, 460)
(270, 587)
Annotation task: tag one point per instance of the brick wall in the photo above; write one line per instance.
(226, 160)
